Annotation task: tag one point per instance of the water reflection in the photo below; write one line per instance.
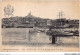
(23, 35)
(38, 37)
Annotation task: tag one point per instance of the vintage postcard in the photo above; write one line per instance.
(39, 25)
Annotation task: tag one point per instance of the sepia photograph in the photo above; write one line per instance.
(39, 25)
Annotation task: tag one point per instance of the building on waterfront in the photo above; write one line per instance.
(32, 21)
(27, 21)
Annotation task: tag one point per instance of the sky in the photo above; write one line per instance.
(44, 9)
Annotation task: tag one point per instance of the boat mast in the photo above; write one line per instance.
(60, 15)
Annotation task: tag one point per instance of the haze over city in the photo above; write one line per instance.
(47, 9)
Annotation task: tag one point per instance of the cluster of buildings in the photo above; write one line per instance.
(30, 21)
(64, 23)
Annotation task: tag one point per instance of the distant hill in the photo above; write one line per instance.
(32, 21)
